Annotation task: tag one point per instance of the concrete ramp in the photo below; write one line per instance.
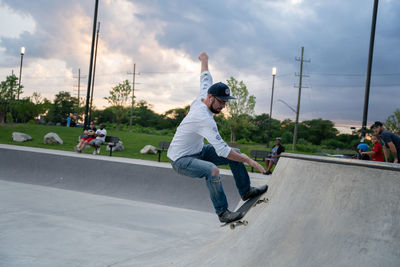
(130, 179)
(322, 212)
(67, 209)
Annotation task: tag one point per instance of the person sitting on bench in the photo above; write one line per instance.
(274, 157)
(100, 139)
(89, 133)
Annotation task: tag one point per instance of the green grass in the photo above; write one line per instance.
(133, 142)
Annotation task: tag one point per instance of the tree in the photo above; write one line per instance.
(260, 122)
(119, 96)
(8, 93)
(243, 104)
(146, 117)
(317, 130)
(176, 115)
(63, 106)
(393, 122)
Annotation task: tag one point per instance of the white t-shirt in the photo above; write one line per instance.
(197, 125)
(99, 132)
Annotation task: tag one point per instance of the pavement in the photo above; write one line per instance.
(61, 208)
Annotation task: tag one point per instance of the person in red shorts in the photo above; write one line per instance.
(376, 152)
(88, 135)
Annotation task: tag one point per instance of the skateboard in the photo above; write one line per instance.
(246, 206)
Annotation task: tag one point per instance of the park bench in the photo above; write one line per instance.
(162, 146)
(259, 155)
(111, 141)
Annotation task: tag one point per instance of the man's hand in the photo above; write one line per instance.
(203, 56)
(235, 156)
(256, 165)
(204, 61)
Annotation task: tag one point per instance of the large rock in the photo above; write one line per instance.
(149, 149)
(20, 137)
(52, 138)
(118, 147)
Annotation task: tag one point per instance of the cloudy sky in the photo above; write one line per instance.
(244, 39)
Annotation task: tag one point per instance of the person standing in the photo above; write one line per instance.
(376, 152)
(390, 141)
(191, 157)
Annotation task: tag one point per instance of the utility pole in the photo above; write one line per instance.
(133, 96)
(79, 77)
(79, 88)
(369, 68)
(301, 59)
(86, 123)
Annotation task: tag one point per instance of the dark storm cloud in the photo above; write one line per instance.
(247, 39)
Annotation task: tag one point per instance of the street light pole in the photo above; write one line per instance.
(94, 72)
(270, 108)
(20, 71)
(86, 123)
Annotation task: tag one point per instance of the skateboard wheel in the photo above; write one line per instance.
(232, 226)
(245, 223)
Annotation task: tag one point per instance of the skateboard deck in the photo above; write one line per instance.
(246, 207)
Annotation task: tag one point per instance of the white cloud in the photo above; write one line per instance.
(13, 23)
(245, 41)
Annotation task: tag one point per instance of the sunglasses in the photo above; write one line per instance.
(222, 102)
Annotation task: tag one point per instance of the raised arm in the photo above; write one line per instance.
(204, 61)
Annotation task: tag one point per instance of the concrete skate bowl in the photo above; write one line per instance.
(131, 180)
(322, 212)
(67, 209)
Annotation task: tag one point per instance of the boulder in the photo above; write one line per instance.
(20, 137)
(118, 147)
(149, 149)
(52, 138)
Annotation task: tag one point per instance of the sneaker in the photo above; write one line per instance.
(94, 152)
(229, 216)
(254, 191)
(98, 150)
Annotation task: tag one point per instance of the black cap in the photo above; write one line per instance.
(376, 124)
(220, 90)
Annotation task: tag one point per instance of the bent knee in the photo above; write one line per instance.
(215, 172)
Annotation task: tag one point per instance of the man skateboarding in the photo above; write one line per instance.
(190, 157)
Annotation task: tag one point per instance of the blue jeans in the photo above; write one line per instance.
(204, 164)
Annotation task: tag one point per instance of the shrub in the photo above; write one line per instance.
(306, 148)
(9, 118)
(245, 141)
(332, 144)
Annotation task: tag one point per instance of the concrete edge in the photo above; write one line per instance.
(351, 162)
(113, 159)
